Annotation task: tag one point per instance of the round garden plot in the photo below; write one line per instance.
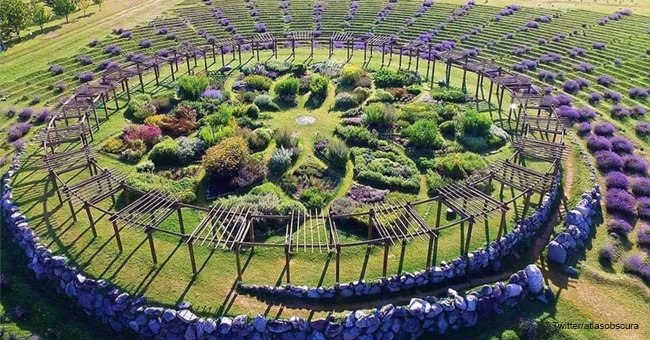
(244, 157)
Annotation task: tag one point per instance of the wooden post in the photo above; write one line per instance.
(116, 232)
(74, 214)
(383, 54)
(469, 236)
(287, 264)
(385, 265)
(417, 60)
(435, 251)
(399, 67)
(251, 233)
(90, 219)
(429, 250)
(462, 237)
(338, 263)
(371, 217)
(526, 205)
(502, 225)
(238, 258)
(401, 257)
(223, 58)
(149, 232)
(429, 63)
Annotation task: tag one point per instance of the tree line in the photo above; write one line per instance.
(17, 15)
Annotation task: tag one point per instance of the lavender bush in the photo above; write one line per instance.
(619, 226)
(641, 187)
(616, 180)
(608, 161)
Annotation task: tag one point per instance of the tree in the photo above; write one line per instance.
(84, 5)
(41, 14)
(64, 8)
(99, 2)
(14, 17)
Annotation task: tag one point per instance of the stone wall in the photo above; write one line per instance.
(579, 222)
(475, 262)
(121, 311)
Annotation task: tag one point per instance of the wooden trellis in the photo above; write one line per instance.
(518, 177)
(483, 69)
(191, 52)
(526, 146)
(146, 214)
(55, 136)
(93, 190)
(261, 39)
(227, 42)
(120, 75)
(67, 161)
(550, 127)
(301, 36)
(379, 41)
(346, 38)
(471, 204)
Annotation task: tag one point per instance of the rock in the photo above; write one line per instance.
(259, 323)
(225, 323)
(351, 333)
(411, 325)
(571, 271)
(333, 330)
(278, 326)
(169, 315)
(419, 307)
(556, 252)
(468, 319)
(154, 326)
(319, 324)
(513, 290)
(535, 280)
(471, 301)
(316, 335)
(186, 316)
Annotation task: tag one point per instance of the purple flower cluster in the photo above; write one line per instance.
(594, 98)
(619, 226)
(620, 111)
(284, 5)
(60, 86)
(616, 180)
(586, 113)
(638, 93)
(562, 99)
(575, 52)
(635, 164)
(608, 161)
(546, 76)
(56, 69)
(642, 129)
(212, 94)
(107, 65)
(126, 35)
(521, 50)
(318, 17)
(568, 112)
(613, 96)
(381, 16)
(584, 67)
(93, 43)
(643, 236)
(643, 208)
(571, 86)
(42, 116)
(637, 265)
(426, 5)
(85, 77)
(621, 145)
(550, 58)
(597, 45)
(532, 24)
(113, 49)
(597, 143)
(145, 43)
(508, 11)
(620, 202)
(637, 110)
(559, 37)
(606, 80)
(604, 129)
(84, 59)
(641, 186)
(18, 130)
(260, 27)
(25, 114)
(583, 128)
(163, 31)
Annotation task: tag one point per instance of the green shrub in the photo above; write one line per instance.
(448, 128)
(473, 143)
(212, 135)
(385, 169)
(252, 111)
(222, 117)
(459, 165)
(146, 166)
(287, 89)
(386, 77)
(299, 70)
(191, 87)
(113, 145)
(381, 96)
(258, 82)
(247, 97)
(447, 111)
(315, 198)
(163, 101)
(318, 86)
(414, 89)
(144, 112)
(357, 135)
(378, 114)
(424, 134)
(472, 123)
(183, 189)
(351, 74)
(165, 152)
(265, 103)
(435, 181)
(280, 67)
(224, 159)
(362, 93)
(412, 112)
(133, 151)
(346, 101)
(285, 137)
(137, 102)
(280, 160)
(448, 94)
(337, 153)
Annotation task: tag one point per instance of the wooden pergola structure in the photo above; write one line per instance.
(264, 39)
(189, 52)
(91, 191)
(382, 41)
(296, 37)
(415, 46)
(234, 45)
(58, 163)
(346, 38)
(529, 147)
